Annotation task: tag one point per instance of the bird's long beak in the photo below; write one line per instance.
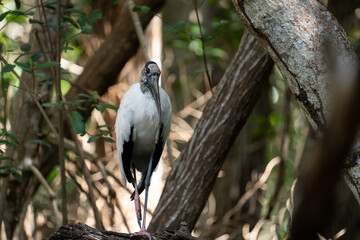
(154, 87)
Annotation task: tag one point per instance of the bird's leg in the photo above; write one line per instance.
(137, 200)
(147, 184)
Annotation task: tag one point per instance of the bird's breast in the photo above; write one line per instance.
(146, 125)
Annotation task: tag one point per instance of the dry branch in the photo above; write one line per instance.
(294, 33)
(81, 231)
(194, 173)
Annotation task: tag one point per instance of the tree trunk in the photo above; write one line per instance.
(295, 34)
(192, 178)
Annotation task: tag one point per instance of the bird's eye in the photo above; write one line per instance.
(147, 70)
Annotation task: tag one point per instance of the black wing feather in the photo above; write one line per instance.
(126, 156)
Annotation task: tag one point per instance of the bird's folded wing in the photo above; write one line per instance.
(124, 128)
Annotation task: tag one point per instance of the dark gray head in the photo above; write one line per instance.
(149, 81)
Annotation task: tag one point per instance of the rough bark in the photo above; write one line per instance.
(190, 182)
(81, 231)
(295, 34)
(120, 45)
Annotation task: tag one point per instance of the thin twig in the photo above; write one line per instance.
(61, 117)
(47, 30)
(203, 46)
(138, 28)
(51, 193)
(252, 191)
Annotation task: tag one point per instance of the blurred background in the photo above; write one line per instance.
(174, 39)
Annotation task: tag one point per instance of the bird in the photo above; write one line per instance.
(142, 127)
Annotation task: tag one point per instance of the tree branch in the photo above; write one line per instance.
(51, 193)
(294, 33)
(61, 116)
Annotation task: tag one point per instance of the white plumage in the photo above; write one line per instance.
(142, 128)
(139, 109)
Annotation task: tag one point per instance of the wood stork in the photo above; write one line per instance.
(142, 128)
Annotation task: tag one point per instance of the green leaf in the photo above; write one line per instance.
(8, 68)
(35, 21)
(274, 119)
(50, 104)
(93, 139)
(37, 56)
(3, 15)
(65, 87)
(7, 143)
(17, 176)
(43, 133)
(77, 122)
(25, 47)
(99, 108)
(6, 166)
(104, 132)
(3, 158)
(47, 64)
(12, 136)
(78, 102)
(16, 12)
(16, 16)
(49, 3)
(94, 16)
(85, 95)
(67, 48)
(45, 81)
(24, 66)
(105, 125)
(31, 62)
(75, 10)
(142, 9)
(71, 21)
(52, 175)
(106, 105)
(18, 57)
(41, 142)
(107, 139)
(40, 74)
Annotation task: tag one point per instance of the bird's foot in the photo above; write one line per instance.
(142, 232)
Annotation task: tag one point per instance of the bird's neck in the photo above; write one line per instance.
(143, 88)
